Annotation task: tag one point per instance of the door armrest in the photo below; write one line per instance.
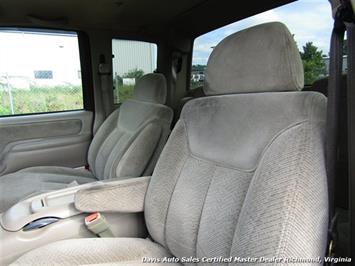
(123, 196)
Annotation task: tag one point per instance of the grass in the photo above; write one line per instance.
(123, 92)
(41, 100)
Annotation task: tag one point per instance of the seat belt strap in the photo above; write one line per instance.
(334, 85)
(343, 20)
(105, 74)
(350, 26)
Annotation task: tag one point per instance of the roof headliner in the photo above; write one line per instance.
(150, 18)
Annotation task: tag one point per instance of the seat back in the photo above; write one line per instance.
(243, 172)
(130, 140)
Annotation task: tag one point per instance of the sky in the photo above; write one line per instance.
(308, 20)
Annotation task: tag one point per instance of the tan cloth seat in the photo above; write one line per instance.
(243, 172)
(95, 251)
(126, 145)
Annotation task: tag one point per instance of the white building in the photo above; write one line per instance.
(30, 59)
(129, 55)
(34, 59)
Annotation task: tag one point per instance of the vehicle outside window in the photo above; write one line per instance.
(39, 72)
(309, 21)
(131, 60)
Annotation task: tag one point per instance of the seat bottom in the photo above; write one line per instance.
(36, 180)
(97, 251)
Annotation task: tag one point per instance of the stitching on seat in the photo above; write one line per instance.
(203, 206)
(261, 154)
(173, 190)
(254, 175)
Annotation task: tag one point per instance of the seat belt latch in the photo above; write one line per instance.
(97, 224)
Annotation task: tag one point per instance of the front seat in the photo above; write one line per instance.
(242, 174)
(127, 144)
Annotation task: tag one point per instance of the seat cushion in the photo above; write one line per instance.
(115, 251)
(35, 180)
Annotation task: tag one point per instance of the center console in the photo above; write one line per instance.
(49, 217)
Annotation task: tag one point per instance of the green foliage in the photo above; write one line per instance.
(124, 92)
(42, 99)
(198, 68)
(134, 73)
(313, 63)
(194, 84)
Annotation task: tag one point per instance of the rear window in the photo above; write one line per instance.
(130, 61)
(309, 21)
(39, 72)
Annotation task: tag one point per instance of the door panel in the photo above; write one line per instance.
(60, 139)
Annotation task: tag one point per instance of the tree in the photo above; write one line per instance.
(134, 73)
(198, 68)
(313, 63)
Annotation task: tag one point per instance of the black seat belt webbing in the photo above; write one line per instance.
(344, 20)
(333, 107)
(334, 85)
(105, 74)
(351, 130)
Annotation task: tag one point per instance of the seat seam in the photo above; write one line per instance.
(173, 190)
(278, 134)
(251, 181)
(203, 206)
(291, 208)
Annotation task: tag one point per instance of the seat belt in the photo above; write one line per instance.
(343, 20)
(98, 225)
(334, 85)
(105, 74)
(350, 26)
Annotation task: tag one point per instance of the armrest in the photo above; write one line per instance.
(114, 196)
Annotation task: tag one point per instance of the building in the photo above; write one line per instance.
(31, 59)
(35, 59)
(130, 55)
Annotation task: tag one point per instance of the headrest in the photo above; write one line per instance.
(263, 58)
(151, 88)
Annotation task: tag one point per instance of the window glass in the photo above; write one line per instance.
(310, 22)
(39, 72)
(131, 60)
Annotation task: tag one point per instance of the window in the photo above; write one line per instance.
(310, 22)
(39, 72)
(131, 60)
(43, 74)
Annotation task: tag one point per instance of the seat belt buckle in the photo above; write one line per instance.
(97, 224)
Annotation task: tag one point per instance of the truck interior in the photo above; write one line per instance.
(177, 132)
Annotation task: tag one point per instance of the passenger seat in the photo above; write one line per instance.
(127, 144)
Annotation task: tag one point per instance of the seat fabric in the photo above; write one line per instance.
(243, 172)
(127, 144)
(35, 180)
(103, 251)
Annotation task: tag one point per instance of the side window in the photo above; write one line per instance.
(311, 30)
(131, 60)
(39, 72)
